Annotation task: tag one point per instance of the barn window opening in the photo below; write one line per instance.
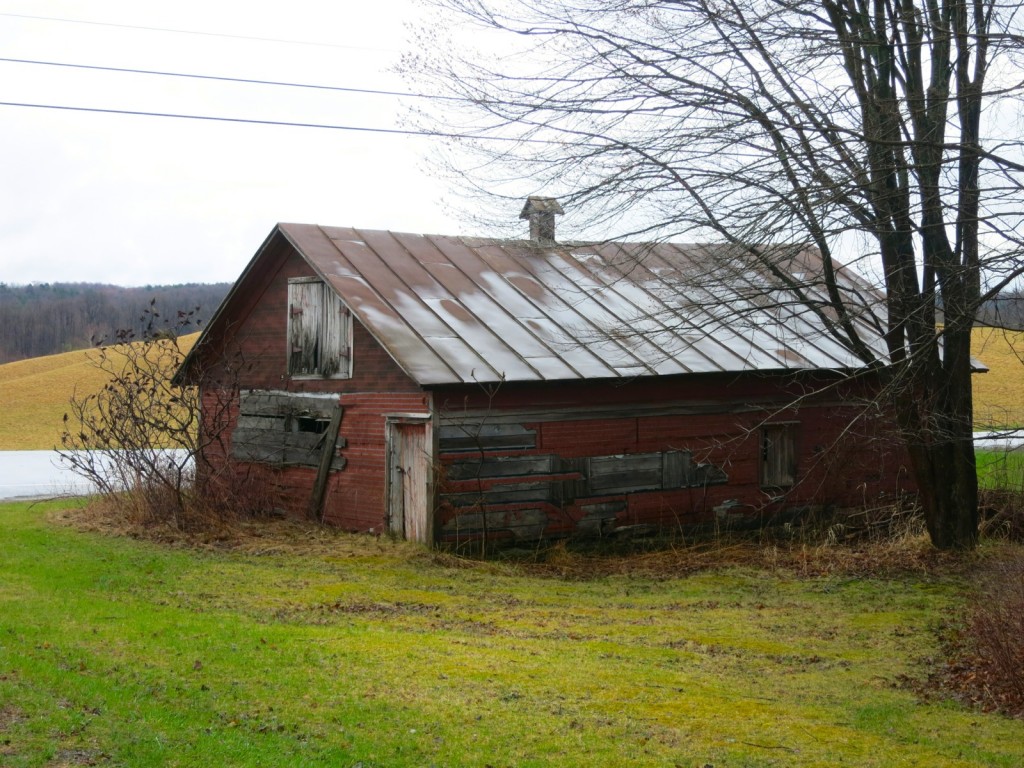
(778, 455)
(319, 331)
(309, 424)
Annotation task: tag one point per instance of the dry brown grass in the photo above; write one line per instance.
(806, 554)
(263, 536)
(811, 558)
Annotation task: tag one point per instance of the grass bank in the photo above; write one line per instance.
(35, 394)
(1003, 470)
(377, 653)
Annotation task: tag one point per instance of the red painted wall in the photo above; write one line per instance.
(847, 453)
(257, 348)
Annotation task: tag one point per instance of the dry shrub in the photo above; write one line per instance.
(882, 541)
(209, 505)
(992, 663)
(984, 648)
(1002, 513)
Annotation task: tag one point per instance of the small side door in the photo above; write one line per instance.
(410, 478)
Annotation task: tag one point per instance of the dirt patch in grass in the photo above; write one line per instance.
(72, 758)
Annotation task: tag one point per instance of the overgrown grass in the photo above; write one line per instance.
(378, 653)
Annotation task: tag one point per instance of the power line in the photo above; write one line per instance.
(221, 78)
(193, 32)
(283, 123)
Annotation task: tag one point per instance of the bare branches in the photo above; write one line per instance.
(853, 125)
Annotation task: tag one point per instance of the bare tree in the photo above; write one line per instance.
(882, 132)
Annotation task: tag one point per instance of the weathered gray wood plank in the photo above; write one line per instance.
(263, 403)
(485, 437)
(327, 454)
(503, 466)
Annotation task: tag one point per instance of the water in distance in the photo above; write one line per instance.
(42, 474)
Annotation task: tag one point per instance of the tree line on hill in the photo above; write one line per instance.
(48, 318)
(1004, 311)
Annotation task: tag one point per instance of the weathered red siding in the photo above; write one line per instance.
(257, 348)
(691, 445)
(356, 495)
(712, 420)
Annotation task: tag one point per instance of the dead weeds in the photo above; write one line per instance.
(801, 559)
(807, 556)
(262, 536)
(983, 649)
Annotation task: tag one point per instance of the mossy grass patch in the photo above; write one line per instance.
(291, 645)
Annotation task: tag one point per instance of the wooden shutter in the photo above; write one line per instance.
(318, 330)
(778, 455)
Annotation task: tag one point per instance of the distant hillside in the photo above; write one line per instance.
(49, 318)
(34, 396)
(999, 393)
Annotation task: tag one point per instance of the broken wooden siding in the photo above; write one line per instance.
(509, 491)
(285, 429)
(353, 496)
(671, 457)
(359, 501)
(353, 493)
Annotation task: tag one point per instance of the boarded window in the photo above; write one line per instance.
(286, 429)
(778, 455)
(318, 330)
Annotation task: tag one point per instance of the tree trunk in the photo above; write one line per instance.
(936, 417)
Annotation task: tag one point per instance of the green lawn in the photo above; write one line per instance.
(374, 653)
(1001, 469)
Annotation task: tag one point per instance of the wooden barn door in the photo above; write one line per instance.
(409, 479)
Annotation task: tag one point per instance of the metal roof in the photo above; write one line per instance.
(463, 310)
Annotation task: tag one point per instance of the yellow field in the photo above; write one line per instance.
(34, 396)
(999, 394)
(34, 393)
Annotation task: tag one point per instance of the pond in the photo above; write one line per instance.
(41, 474)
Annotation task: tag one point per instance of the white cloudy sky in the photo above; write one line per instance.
(138, 200)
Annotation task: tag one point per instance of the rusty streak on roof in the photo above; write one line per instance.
(463, 310)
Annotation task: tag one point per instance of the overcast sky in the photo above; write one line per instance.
(136, 200)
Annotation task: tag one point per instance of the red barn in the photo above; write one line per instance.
(450, 388)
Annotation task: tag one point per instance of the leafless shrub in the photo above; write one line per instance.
(998, 626)
(138, 439)
(986, 652)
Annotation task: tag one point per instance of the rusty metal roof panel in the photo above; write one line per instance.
(468, 310)
(360, 295)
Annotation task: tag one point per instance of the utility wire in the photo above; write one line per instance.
(193, 32)
(220, 78)
(328, 126)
